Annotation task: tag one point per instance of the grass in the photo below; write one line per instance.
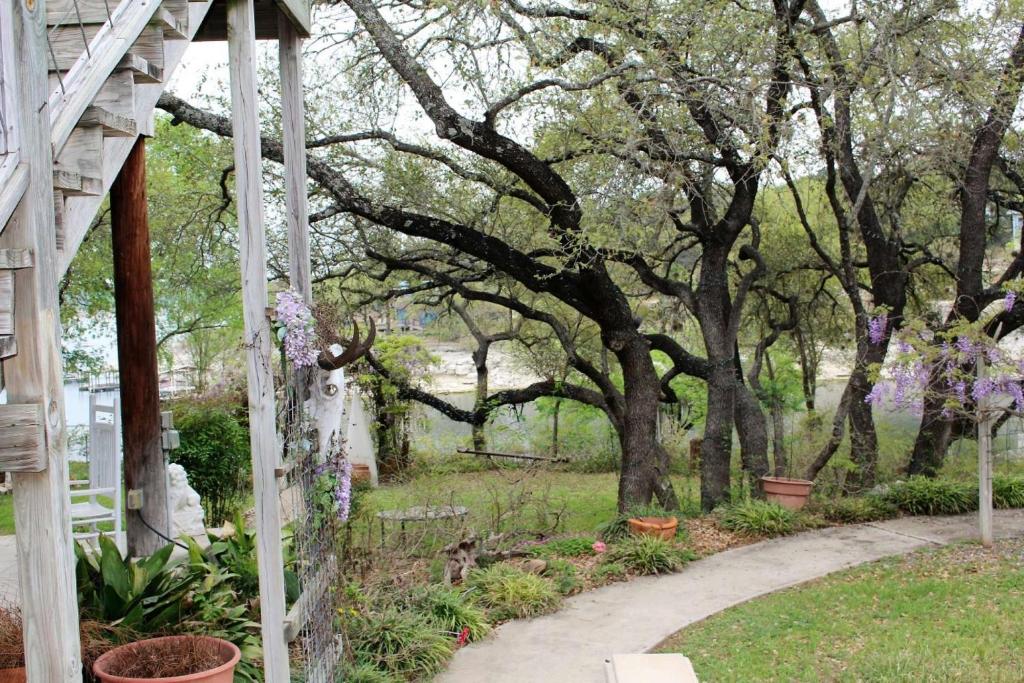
(79, 470)
(535, 499)
(951, 614)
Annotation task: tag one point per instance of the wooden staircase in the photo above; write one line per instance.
(108, 64)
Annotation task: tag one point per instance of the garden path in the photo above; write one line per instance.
(571, 645)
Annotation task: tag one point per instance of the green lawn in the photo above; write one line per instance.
(520, 499)
(952, 614)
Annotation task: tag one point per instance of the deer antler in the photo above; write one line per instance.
(354, 350)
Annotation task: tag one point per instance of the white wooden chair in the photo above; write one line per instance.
(88, 511)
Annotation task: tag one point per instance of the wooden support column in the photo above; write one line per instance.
(145, 468)
(252, 246)
(34, 376)
(293, 127)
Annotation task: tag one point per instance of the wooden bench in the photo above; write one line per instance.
(662, 668)
(420, 513)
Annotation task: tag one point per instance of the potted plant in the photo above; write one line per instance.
(789, 493)
(662, 527)
(173, 658)
(12, 649)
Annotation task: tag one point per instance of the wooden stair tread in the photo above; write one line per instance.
(114, 125)
(172, 27)
(141, 68)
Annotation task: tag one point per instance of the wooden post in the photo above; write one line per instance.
(145, 467)
(41, 505)
(241, 27)
(293, 128)
(984, 461)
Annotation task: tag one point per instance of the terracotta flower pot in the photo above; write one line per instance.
(661, 527)
(361, 473)
(17, 675)
(224, 673)
(789, 493)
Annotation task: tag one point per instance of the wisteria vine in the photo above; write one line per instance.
(945, 364)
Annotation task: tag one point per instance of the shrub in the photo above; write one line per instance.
(450, 611)
(759, 518)
(510, 593)
(577, 546)
(648, 555)
(1008, 492)
(12, 649)
(563, 574)
(924, 496)
(215, 453)
(399, 643)
(858, 509)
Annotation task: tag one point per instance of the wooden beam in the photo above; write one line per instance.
(262, 414)
(41, 505)
(145, 468)
(11, 193)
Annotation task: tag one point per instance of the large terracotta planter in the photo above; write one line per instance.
(789, 493)
(13, 675)
(225, 673)
(661, 527)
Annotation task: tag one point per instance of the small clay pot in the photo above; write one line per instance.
(361, 474)
(224, 673)
(660, 527)
(789, 493)
(16, 675)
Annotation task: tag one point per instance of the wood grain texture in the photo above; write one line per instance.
(6, 302)
(262, 414)
(144, 463)
(41, 508)
(293, 126)
(22, 441)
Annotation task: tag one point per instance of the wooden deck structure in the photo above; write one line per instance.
(79, 80)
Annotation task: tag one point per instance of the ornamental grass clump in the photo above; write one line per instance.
(924, 496)
(648, 555)
(451, 612)
(1008, 492)
(759, 518)
(508, 592)
(399, 643)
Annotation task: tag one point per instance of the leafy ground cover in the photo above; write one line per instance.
(950, 614)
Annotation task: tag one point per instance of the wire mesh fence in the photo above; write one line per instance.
(1008, 442)
(310, 499)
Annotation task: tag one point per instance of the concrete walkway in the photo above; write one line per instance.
(571, 645)
(9, 570)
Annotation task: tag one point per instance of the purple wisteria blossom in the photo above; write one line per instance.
(296, 329)
(1009, 300)
(877, 327)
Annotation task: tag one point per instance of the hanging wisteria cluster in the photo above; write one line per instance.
(296, 329)
(333, 487)
(945, 364)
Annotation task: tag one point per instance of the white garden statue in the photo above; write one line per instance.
(186, 509)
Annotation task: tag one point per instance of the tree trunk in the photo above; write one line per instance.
(808, 373)
(480, 361)
(933, 437)
(716, 451)
(645, 463)
(863, 438)
(752, 428)
(838, 432)
(778, 423)
(554, 427)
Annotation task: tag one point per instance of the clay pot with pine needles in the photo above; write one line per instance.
(199, 659)
(12, 648)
